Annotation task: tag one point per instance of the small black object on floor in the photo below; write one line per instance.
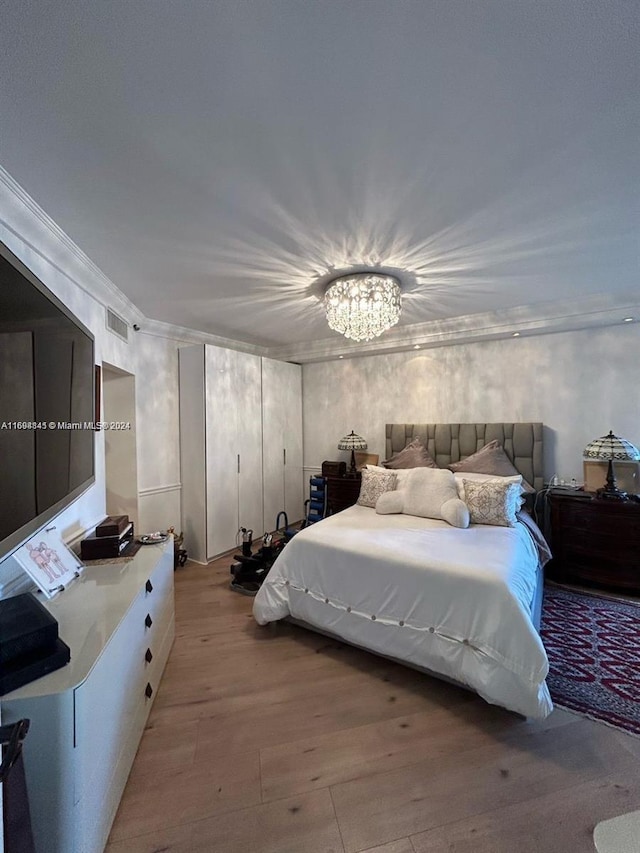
(249, 571)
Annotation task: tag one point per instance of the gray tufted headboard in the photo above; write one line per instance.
(448, 443)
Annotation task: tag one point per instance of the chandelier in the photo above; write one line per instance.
(363, 305)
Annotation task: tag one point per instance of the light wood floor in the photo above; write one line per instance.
(282, 741)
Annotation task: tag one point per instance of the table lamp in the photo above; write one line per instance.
(610, 448)
(352, 442)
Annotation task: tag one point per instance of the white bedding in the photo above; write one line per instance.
(457, 602)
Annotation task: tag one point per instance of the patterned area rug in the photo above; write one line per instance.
(593, 645)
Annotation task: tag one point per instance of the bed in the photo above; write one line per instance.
(459, 604)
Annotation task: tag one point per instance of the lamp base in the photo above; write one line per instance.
(611, 494)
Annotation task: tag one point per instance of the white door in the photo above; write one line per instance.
(249, 436)
(294, 491)
(234, 447)
(282, 440)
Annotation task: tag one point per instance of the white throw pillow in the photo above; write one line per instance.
(427, 493)
(492, 502)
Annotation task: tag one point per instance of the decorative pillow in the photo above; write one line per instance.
(492, 502)
(428, 493)
(375, 483)
(401, 474)
(461, 476)
(414, 455)
(490, 459)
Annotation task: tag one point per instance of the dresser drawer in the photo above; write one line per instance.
(595, 542)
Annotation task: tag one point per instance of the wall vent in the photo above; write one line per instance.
(117, 325)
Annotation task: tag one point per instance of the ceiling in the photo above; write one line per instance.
(219, 160)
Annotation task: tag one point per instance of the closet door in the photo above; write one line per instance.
(222, 425)
(282, 440)
(192, 450)
(249, 435)
(234, 447)
(294, 491)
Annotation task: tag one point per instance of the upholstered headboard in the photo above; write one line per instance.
(451, 442)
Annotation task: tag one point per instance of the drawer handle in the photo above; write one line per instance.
(148, 586)
(148, 656)
(148, 621)
(148, 691)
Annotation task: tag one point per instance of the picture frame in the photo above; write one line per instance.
(49, 562)
(363, 458)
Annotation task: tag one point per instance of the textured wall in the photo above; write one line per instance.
(579, 384)
(37, 241)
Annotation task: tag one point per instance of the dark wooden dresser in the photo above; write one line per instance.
(595, 542)
(343, 491)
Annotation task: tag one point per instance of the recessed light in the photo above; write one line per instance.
(516, 334)
(340, 356)
(416, 346)
(628, 320)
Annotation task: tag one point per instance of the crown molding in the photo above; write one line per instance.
(39, 233)
(182, 334)
(545, 318)
(35, 231)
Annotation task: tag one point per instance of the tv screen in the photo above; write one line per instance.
(46, 404)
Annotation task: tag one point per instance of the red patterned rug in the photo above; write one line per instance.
(593, 645)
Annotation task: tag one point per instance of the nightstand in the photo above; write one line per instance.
(343, 491)
(595, 542)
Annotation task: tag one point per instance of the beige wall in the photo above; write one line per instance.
(579, 384)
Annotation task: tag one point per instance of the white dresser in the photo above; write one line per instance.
(88, 717)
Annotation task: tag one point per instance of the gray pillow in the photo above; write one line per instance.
(490, 459)
(414, 455)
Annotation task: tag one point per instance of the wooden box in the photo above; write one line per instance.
(113, 525)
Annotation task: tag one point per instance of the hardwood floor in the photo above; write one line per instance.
(278, 740)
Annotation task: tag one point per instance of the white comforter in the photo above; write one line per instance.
(454, 601)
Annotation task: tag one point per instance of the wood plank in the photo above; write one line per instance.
(405, 802)
(234, 693)
(562, 820)
(304, 824)
(157, 800)
(354, 753)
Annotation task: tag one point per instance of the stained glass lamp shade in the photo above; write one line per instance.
(609, 448)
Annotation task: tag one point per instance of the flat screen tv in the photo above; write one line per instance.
(46, 404)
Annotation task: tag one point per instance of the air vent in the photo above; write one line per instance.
(117, 325)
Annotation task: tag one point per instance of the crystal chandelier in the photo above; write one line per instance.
(363, 305)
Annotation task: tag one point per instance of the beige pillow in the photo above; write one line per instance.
(427, 493)
(490, 459)
(461, 476)
(374, 484)
(414, 455)
(492, 502)
(401, 474)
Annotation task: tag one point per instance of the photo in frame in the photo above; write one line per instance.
(48, 561)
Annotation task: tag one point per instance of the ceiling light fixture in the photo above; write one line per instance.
(362, 306)
(628, 320)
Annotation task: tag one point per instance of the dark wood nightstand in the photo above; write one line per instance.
(343, 491)
(595, 542)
